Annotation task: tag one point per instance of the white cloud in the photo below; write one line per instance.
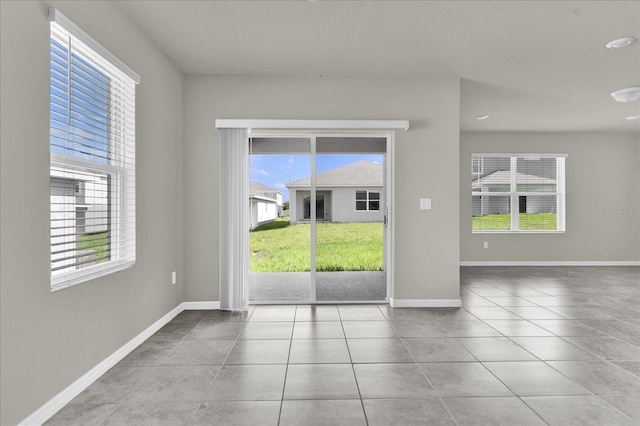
(289, 165)
(262, 172)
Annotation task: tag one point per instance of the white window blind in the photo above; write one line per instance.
(518, 192)
(92, 151)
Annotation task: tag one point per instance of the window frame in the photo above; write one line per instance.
(514, 195)
(368, 200)
(118, 215)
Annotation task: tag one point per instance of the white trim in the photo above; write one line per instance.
(71, 279)
(329, 187)
(425, 303)
(527, 231)
(514, 194)
(519, 155)
(56, 16)
(318, 302)
(307, 133)
(200, 306)
(552, 263)
(313, 218)
(56, 403)
(112, 181)
(386, 189)
(389, 199)
(311, 124)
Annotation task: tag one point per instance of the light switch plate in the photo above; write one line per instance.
(425, 203)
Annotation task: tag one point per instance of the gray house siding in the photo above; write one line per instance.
(345, 206)
(265, 204)
(300, 211)
(339, 205)
(541, 204)
(483, 206)
(336, 194)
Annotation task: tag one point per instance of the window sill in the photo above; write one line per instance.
(78, 277)
(518, 232)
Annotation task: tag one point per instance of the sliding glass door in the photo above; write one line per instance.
(350, 181)
(318, 219)
(279, 244)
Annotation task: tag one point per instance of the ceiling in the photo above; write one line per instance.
(529, 65)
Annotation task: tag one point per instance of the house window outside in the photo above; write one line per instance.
(518, 193)
(92, 158)
(367, 200)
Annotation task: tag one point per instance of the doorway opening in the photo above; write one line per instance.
(522, 204)
(319, 207)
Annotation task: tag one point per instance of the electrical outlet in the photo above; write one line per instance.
(486, 244)
(174, 277)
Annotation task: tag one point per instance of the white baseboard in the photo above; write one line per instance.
(425, 303)
(56, 403)
(191, 306)
(552, 263)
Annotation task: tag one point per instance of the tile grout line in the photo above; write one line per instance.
(353, 368)
(220, 366)
(214, 377)
(512, 391)
(286, 370)
(545, 362)
(515, 343)
(536, 357)
(154, 368)
(439, 396)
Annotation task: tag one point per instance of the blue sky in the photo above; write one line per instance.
(79, 106)
(276, 171)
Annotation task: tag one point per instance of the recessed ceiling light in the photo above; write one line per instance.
(628, 94)
(620, 42)
(633, 117)
(481, 117)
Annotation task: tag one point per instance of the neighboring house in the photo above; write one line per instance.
(351, 193)
(79, 206)
(500, 181)
(265, 204)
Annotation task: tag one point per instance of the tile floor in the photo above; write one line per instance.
(530, 346)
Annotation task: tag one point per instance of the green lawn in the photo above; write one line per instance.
(98, 242)
(281, 247)
(502, 222)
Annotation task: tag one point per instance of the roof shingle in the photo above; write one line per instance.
(360, 173)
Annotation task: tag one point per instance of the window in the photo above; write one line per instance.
(367, 200)
(92, 157)
(518, 192)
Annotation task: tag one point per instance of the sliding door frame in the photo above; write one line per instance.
(312, 129)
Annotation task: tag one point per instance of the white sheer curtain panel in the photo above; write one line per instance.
(234, 228)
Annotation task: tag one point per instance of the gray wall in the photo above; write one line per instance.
(603, 202)
(50, 339)
(427, 162)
